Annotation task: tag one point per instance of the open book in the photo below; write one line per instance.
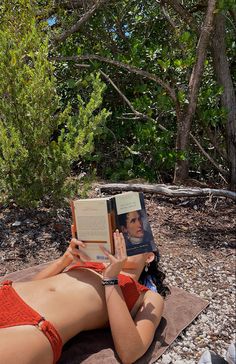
(96, 219)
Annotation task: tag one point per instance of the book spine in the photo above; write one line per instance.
(142, 202)
(112, 222)
(73, 226)
(115, 215)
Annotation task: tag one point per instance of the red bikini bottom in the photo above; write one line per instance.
(14, 312)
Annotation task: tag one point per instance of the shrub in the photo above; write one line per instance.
(38, 140)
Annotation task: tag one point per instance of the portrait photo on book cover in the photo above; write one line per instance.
(137, 232)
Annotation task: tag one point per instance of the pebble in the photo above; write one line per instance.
(214, 328)
(166, 359)
(16, 223)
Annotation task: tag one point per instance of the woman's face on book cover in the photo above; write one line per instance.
(134, 224)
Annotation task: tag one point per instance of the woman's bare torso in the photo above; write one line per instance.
(72, 302)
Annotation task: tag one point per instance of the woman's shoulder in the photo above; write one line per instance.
(153, 297)
(152, 307)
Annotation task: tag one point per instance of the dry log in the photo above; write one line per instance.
(168, 190)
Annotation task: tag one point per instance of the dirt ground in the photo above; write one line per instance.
(196, 238)
(198, 227)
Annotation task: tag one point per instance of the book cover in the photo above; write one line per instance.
(131, 219)
(96, 219)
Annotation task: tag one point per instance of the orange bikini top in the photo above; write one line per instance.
(130, 288)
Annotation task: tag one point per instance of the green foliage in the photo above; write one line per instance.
(226, 5)
(139, 150)
(39, 140)
(157, 40)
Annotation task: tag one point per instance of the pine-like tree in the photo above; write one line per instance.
(38, 140)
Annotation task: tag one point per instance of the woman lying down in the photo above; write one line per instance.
(38, 317)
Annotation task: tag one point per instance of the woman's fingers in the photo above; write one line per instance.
(83, 256)
(123, 246)
(77, 243)
(107, 253)
(117, 260)
(76, 252)
(117, 242)
(120, 247)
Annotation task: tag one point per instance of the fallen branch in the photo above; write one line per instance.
(171, 191)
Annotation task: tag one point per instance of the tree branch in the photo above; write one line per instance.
(75, 27)
(215, 143)
(120, 32)
(196, 75)
(172, 23)
(221, 170)
(195, 78)
(144, 116)
(181, 10)
(138, 114)
(233, 15)
(119, 92)
(184, 126)
(132, 69)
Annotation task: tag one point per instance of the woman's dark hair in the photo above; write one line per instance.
(156, 275)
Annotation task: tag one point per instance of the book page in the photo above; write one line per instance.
(126, 202)
(92, 226)
(92, 220)
(95, 253)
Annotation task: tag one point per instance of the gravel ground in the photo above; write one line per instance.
(198, 255)
(196, 239)
(214, 329)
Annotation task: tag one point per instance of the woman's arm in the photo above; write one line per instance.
(131, 337)
(71, 254)
(54, 268)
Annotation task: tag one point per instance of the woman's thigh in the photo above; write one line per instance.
(24, 345)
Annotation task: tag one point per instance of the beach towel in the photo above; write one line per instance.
(96, 347)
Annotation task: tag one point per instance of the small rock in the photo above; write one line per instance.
(16, 223)
(166, 359)
(58, 227)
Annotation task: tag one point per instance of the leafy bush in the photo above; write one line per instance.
(38, 140)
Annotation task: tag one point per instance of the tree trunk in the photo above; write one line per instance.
(228, 99)
(182, 139)
(184, 125)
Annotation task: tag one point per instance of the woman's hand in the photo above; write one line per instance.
(116, 261)
(73, 253)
